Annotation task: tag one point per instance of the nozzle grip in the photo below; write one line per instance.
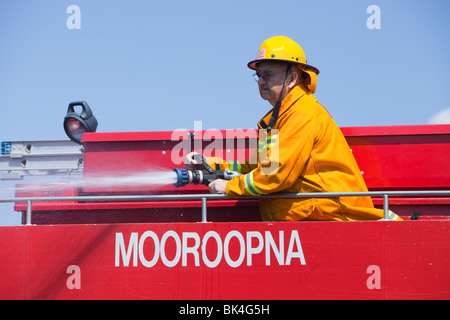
(202, 159)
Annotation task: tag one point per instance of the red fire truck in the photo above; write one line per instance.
(136, 241)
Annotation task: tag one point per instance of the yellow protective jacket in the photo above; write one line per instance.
(304, 152)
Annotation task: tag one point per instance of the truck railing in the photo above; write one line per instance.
(204, 197)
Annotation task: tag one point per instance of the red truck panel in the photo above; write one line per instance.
(311, 260)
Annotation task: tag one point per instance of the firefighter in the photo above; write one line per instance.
(300, 147)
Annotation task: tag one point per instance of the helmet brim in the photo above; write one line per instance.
(254, 64)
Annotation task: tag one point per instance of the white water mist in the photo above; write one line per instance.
(138, 180)
(153, 178)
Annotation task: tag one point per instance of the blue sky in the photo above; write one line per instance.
(161, 65)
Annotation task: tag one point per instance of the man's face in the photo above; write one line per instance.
(271, 80)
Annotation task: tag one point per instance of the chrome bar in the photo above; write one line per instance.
(28, 216)
(427, 193)
(204, 208)
(385, 207)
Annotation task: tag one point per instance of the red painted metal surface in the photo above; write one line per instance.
(313, 260)
(402, 157)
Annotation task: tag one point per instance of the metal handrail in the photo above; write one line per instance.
(205, 197)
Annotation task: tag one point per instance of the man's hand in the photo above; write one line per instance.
(218, 186)
(193, 161)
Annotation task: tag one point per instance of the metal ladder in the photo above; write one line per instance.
(23, 158)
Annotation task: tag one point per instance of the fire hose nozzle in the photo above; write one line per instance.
(182, 177)
(205, 177)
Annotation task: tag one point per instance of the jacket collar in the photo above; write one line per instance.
(296, 93)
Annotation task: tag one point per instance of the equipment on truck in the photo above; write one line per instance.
(76, 123)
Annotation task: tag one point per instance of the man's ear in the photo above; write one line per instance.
(293, 80)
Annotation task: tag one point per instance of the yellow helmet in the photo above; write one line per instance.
(284, 49)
